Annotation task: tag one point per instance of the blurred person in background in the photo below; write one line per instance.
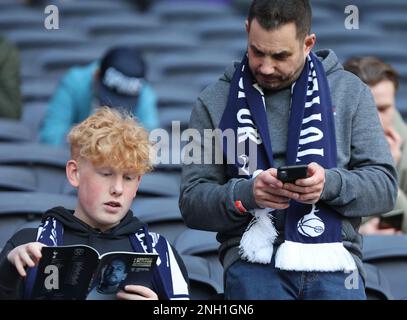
(383, 81)
(10, 95)
(119, 80)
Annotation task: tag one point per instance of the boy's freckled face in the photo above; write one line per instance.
(104, 194)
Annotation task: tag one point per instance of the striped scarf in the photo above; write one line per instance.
(313, 240)
(168, 281)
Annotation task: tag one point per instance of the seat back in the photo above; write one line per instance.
(389, 255)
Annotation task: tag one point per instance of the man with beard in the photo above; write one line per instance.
(285, 105)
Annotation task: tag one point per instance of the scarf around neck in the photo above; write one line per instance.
(312, 232)
(168, 281)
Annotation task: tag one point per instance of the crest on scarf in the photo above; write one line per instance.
(311, 225)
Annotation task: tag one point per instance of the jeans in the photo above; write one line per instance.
(253, 281)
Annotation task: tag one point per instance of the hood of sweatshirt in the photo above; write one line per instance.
(328, 58)
(128, 225)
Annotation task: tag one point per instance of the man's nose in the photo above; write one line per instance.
(267, 66)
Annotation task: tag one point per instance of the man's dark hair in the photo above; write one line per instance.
(372, 70)
(271, 14)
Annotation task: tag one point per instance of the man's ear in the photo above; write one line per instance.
(247, 25)
(309, 43)
(72, 172)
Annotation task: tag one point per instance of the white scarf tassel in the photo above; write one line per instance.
(295, 256)
(257, 242)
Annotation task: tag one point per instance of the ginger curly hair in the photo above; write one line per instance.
(112, 138)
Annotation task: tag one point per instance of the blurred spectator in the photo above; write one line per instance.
(119, 80)
(383, 81)
(10, 96)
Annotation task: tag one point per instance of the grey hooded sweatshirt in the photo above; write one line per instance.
(364, 182)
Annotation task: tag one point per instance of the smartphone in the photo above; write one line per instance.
(292, 173)
(391, 221)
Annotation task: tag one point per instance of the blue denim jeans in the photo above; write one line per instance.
(252, 281)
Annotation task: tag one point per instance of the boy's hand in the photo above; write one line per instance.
(134, 292)
(25, 255)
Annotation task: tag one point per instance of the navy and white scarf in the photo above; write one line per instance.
(312, 232)
(168, 280)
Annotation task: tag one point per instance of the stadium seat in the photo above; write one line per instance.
(377, 286)
(46, 162)
(186, 11)
(36, 39)
(58, 61)
(32, 117)
(389, 255)
(158, 42)
(37, 90)
(175, 95)
(14, 131)
(24, 209)
(17, 179)
(108, 25)
(170, 114)
(203, 244)
(196, 242)
(202, 278)
(87, 8)
(224, 29)
(18, 18)
(161, 214)
(174, 66)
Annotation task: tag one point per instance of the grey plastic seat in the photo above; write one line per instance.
(32, 117)
(108, 25)
(377, 286)
(196, 242)
(38, 90)
(335, 34)
(170, 114)
(36, 39)
(61, 59)
(17, 179)
(389, 20)
(161, 214)
(47, 163)
(33, 153)
(389, 51)
(160, 184)
(86, 8)
(19, 18)
(389, 255)
(205, 279)
(190, 11)
(224, 29)
(175, 94)
(159, 42)
(19, 210)
(14, 131)
(191, 64)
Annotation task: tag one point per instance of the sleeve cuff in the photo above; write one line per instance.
(243, 192)
(333, 184)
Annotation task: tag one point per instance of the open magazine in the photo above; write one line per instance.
(78, 272)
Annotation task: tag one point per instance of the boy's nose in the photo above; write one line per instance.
(116, 187)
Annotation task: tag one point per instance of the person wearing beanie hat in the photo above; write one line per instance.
(117, 80)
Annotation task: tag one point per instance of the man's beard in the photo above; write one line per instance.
(277, 82)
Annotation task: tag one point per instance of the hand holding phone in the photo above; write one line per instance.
(292, 173)
(391, 221)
